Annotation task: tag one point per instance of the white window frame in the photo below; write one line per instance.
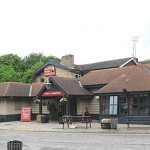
(113, 105)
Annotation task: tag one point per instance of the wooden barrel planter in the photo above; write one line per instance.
(106, 125)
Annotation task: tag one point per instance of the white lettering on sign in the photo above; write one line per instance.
(53, 93)
(47, 93)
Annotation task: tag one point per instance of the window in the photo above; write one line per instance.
(143, 108)
(109, 105)
(40, 79)
(123, 106)
(105, 105)
(113, 103)
(135, 105)
(77, 76)
(139, 105)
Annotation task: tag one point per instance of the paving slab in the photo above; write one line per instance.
(33, 126)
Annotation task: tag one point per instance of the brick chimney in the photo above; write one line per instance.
(68, 60)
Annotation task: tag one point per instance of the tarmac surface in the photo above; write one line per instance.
(33, 126)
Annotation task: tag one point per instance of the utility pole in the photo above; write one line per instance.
(135, 39)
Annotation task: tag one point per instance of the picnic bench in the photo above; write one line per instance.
(68, 119)
(137, 119)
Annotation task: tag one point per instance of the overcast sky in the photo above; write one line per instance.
(91, 30)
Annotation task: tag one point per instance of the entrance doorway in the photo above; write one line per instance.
(55, 108)
(73, 107)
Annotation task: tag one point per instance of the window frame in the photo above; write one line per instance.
(109, 105)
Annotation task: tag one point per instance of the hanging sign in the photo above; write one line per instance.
(53, 93)
(26, 113)
(50, 72)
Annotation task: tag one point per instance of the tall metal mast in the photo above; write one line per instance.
(135, 39)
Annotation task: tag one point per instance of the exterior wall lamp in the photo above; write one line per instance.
(37, 101)
(48, 85)
(125, 90)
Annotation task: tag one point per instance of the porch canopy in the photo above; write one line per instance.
(69, 88)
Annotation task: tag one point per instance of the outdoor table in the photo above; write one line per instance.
(69, 120)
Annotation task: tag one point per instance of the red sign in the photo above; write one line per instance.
(26, 113)
(53, 93)
(50, 72)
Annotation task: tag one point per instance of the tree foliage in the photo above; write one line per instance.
(13, 60)
(27, 76)
(7, 74)
(14, 68)
(33, 58)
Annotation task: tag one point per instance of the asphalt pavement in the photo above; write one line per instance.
(77, 127)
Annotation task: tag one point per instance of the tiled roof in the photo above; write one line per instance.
(87, 67)
(105, 76)
(18, 89)
(14, 89)
(71, 86)
(40, 69)
(104, 65)
(135, 79)
(36, 87)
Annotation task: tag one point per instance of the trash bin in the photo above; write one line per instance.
(114, 122)
(44, 119)
(14, 145)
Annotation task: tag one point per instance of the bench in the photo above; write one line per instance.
(68, 119)
(137, 119)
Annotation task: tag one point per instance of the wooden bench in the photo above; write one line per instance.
(137, 119)
(68, 119)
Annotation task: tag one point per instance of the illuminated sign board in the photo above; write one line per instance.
(53, 93)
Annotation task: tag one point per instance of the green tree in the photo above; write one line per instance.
(27, 78)
(7, 74)
(33, 58)
(22, 68)
(13, 60)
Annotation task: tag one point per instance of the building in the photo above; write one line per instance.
(124, 91)
(106, 88)
(14, 95)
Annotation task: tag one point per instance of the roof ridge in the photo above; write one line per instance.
(60, 85)
(106, 61)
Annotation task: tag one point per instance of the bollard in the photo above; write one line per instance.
(14, 145)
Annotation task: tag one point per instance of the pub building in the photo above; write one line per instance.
(114, 88)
